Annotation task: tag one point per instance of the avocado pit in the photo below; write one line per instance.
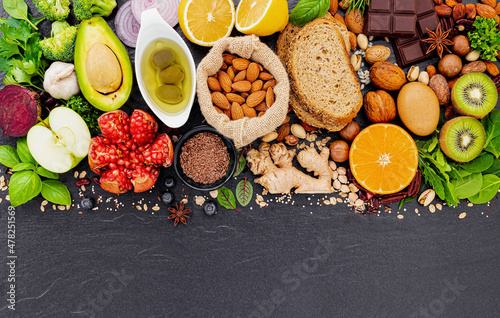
(103, 69)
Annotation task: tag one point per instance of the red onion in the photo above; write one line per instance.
(166, 8)
(127, 27)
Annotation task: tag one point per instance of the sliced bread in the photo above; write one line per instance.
(309, 118)
(322, 76)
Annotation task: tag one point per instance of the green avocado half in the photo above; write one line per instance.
(102, 65)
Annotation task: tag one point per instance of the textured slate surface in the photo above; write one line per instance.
(283, 261)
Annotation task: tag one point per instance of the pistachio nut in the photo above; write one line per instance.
(298, 131)
(356, 62)
(427, 197)
(472, 56)
(413, 73)
(362, 41)
(423, 78)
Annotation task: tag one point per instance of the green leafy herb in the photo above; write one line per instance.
(307, 10)
(89, 113)
(468, 186)
(494, 169)
(8, 156)
(244, 192)
(24, 152)
(490, 187)
(491, 124)
(55, 191)
(23, 166)
(18, 9)
(46, 173)
(242, 162)
(480, 164)
(358, 4)
(485, 38)
(226, 199)
(24, 186)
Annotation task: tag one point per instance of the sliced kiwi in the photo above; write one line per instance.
(462, 138)
(474, 95)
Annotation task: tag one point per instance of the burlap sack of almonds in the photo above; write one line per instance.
(243, 131)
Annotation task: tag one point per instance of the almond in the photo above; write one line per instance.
(244, 95)
(497, 8)
(228, 58)
(220, 111)
(287, 120)
(260, 114)
(265, 76)
(485, 11)
(240, 76)
(270, 136)
(223, 67)
(240, 64)
(353, 40)
(283, 132)
(354, 21)
(228, 113)
(491, 3)
(377, 53)
(256, 86)
(213, 84)
(236, 111)
(339, 18)
(225, 82)
(270, 83)
(255, 98)
(334, 6)
(269, 97)
(242, 86)
(220, 100)
(248, 111)
(252, 72)
(491, 68)
(230, 72)
(235, 98)
(262, 107)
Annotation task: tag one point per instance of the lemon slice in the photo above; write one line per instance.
(261, 17)
(206, 21)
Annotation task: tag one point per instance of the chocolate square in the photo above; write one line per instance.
(391, 18)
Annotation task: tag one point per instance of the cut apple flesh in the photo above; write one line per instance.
(63, 144)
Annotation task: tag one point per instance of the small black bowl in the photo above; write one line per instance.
(231, 149)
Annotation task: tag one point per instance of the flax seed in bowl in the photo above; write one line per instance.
(204, 159)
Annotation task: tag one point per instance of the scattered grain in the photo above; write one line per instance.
(432, 208)
(400, 216)
(462, 215)
(75, 174)
(214, 193)
(83, 174)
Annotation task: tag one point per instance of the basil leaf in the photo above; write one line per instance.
(55, 191)
(46, 173)
(9, 156)
(24, 152)
(24, 186)
(480, 164)
(469, 186)
(490, 187)
(494, 169)
(242, 162)
(307, 10)
(244, 192)
(226, 199)
(23, 166)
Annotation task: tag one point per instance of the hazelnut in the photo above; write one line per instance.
(461, 45)
(350, 131)
(450, 65)
(339, 151)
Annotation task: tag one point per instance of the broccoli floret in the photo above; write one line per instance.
(61, 46)
(86, 9)
(89, 113)
(55, 10)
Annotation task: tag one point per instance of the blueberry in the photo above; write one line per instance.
(210, 208)
(169, 182)
(167, 197)
(87, 203)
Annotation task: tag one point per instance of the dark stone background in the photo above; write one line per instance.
(283, 261)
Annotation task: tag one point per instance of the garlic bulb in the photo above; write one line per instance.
(60, 81)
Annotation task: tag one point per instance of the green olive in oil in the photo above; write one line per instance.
(151, 70)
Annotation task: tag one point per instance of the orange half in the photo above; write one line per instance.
(383, 158)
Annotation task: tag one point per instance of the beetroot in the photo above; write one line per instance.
(19, 110)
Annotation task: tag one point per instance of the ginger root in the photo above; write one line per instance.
(274, 163)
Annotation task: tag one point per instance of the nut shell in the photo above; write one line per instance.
(450, 65)
(377, 53)
(440, 87)
(354, 21)
(387, 76)
(379, 106)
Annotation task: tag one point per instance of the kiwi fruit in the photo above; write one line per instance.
(474, 94)
(462, 138)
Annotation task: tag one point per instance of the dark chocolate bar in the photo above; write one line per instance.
(391, 18)
(411, 50)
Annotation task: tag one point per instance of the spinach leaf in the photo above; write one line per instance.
(307, 10)
(24, 186)
(55, 191)
(491, 124)
(490, 187)
(18, 9)
(480, 164)
(494, 169)
(470, 185)
(9, 156)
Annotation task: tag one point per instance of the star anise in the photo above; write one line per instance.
(179, 213)
(438, 40)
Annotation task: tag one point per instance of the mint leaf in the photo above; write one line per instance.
(55, 191)
(226, 199)
(46, 173)
(9, 156)
(24, 186)
(24, 152)
(23, 166)
(244, 192)
(307, 10)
